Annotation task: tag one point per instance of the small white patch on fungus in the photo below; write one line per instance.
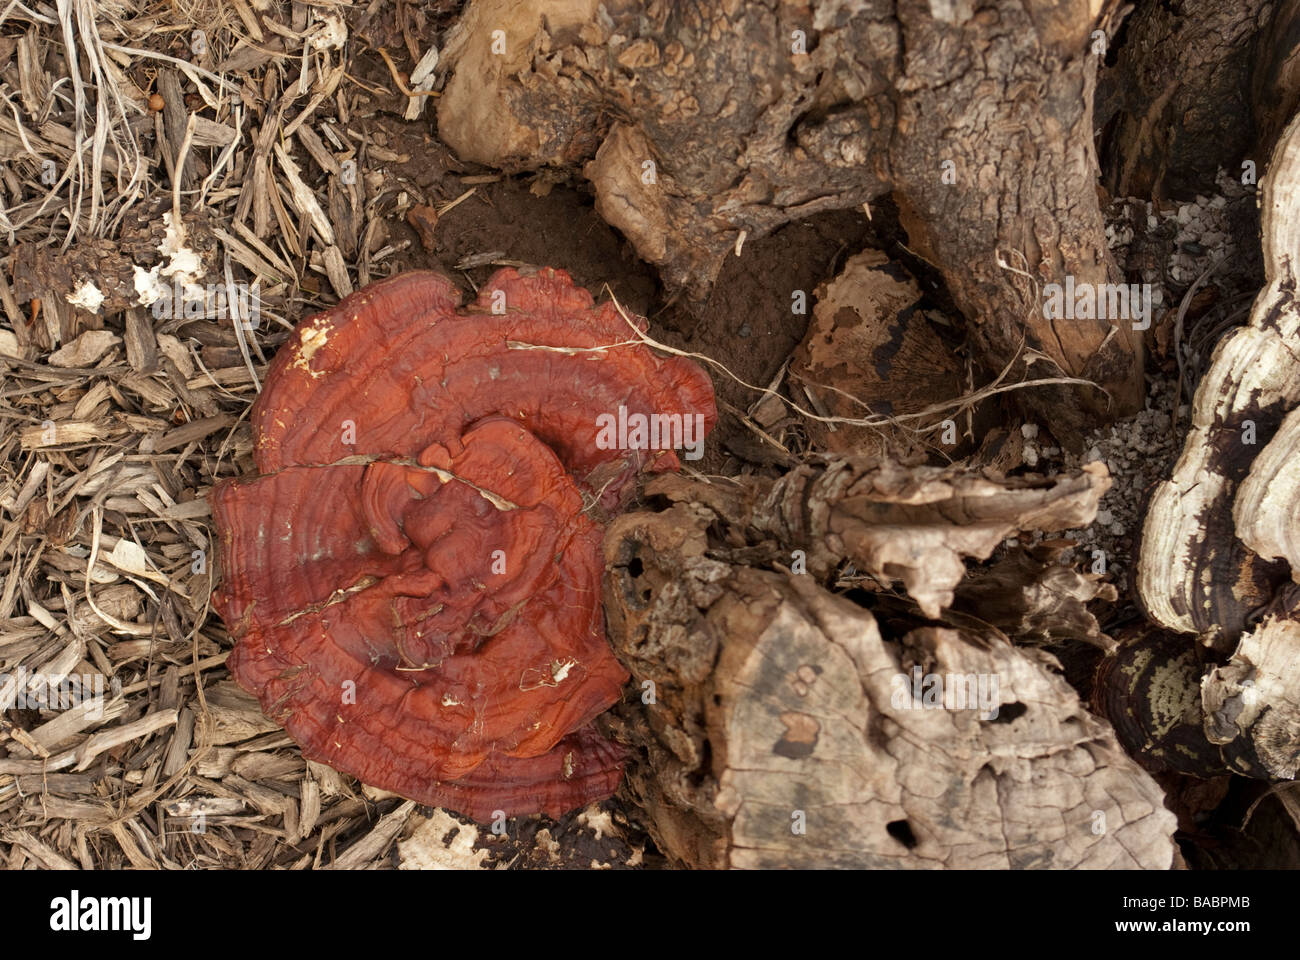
(311, 339)
(560, 669)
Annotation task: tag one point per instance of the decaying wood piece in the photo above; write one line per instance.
(916, 525)
(1195, 574)
(1177, 100)
(779, 727)
(707, 123)
(1034, 599)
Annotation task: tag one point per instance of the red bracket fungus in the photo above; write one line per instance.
(413, 578)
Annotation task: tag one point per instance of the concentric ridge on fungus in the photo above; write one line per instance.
(411, 579)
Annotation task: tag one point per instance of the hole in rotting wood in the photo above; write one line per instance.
(1008, 713)
(901, 831)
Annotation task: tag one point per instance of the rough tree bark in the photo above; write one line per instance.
(701, 124)
(1196, 86)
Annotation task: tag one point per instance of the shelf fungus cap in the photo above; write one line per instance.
(1267, 508)
(1150, 688)
(413, 577)
(1251, 703)
(1213, 530)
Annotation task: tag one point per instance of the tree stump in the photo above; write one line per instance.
(700, 126)
(782, 725)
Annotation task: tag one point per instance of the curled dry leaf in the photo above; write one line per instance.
(869, 341)
(413, 580)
